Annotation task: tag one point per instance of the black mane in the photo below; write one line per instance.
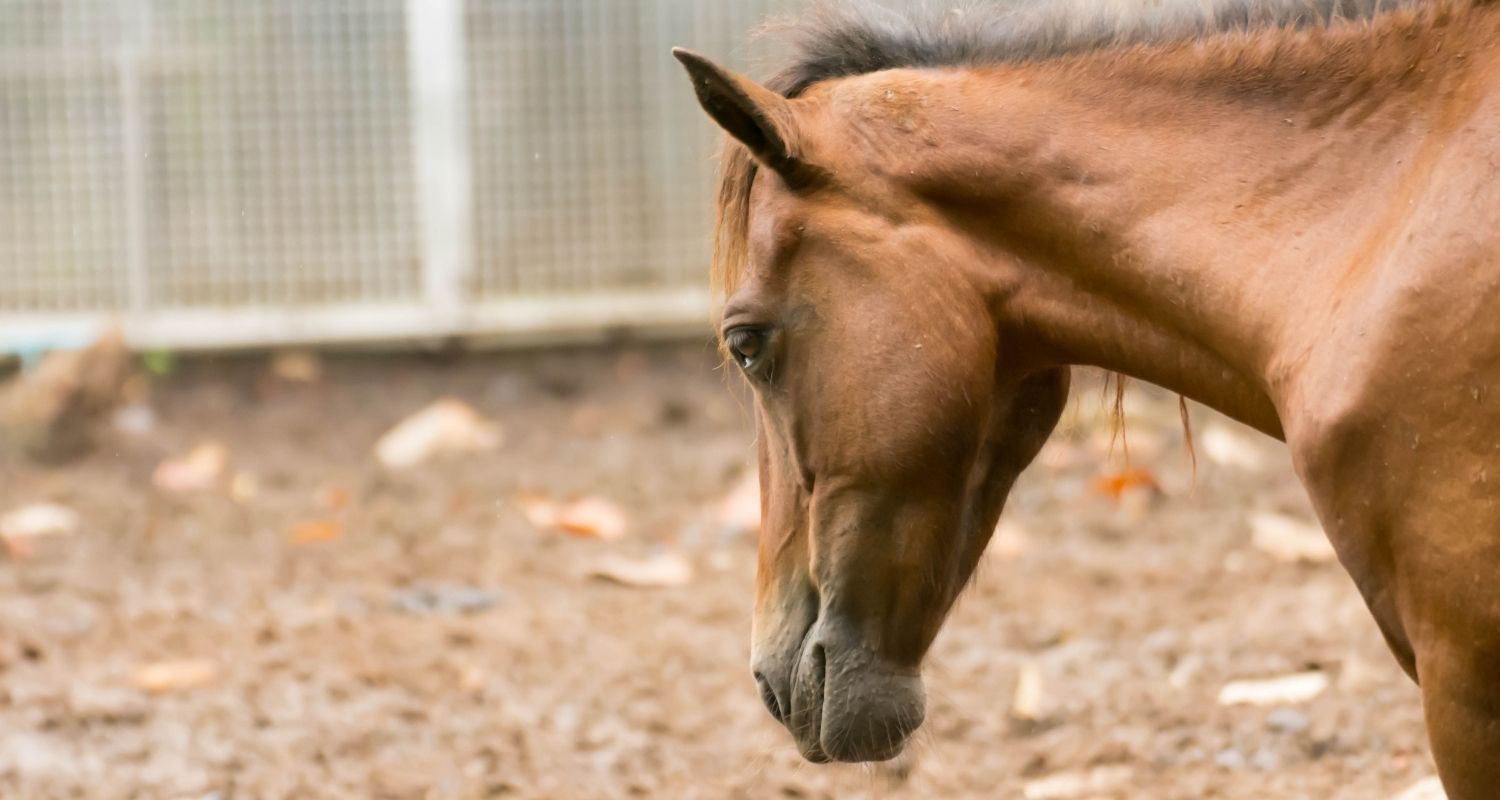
(839, 38)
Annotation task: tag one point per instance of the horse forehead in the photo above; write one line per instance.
(777, 220)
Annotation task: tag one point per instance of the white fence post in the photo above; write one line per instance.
(135, 41)
(441, 156)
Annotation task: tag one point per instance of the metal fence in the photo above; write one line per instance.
(219, 173)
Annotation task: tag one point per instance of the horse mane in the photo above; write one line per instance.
(841, 38)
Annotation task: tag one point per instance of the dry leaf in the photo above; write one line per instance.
(447, 427)
(658, 572)
(196, 471)
(593, 517)
(1284, 690)
(1115, 484)
(590, 518)
(24, 528)
(1288, 538)
(316, 530)
(163, 677)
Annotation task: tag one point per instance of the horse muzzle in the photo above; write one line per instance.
(839, 699)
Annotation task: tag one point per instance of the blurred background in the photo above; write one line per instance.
(361, 436)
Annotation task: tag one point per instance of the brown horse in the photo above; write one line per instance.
(1286, 209)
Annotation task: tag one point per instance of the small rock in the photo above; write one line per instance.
(445, 598)
(1286, 720)
(1230, 758)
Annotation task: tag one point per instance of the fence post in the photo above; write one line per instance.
(135, 41)
(437, 66)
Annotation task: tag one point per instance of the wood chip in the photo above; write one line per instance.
(1105, 781)
(1279, 691)
(650, 573)
(1030, 697)
(165, 677)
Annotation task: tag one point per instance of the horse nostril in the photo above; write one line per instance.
(768, 696)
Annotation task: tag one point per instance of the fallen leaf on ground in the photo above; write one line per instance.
(1115, 484)
(1227, 447)
(590, 517)
(297, 366)
(1425, 789)
(164, 677)
(196, 471)
(739, 512)
(1099, 781)
(24, 528)
(1289, 538)
(1284, 690)
(652, 573)
(446, 427)
(316, 530)
(593, 517)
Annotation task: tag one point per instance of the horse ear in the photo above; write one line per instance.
(759, 118)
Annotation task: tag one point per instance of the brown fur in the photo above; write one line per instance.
(1292, 220)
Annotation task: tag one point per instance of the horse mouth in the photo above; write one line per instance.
(845, 705)
(805, 702)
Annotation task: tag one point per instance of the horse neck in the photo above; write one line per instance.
(1184, 216)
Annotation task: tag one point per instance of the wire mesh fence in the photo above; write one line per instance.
(227, 172)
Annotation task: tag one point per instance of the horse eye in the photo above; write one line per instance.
(746, 345)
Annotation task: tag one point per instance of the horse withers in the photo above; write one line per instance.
(1285, 209)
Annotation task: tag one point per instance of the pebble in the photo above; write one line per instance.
(1286, 720)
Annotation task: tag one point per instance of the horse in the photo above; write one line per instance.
(1287, 210)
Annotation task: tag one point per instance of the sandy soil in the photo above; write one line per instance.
(441, 646)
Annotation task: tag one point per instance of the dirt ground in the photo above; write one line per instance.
(433, 643)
